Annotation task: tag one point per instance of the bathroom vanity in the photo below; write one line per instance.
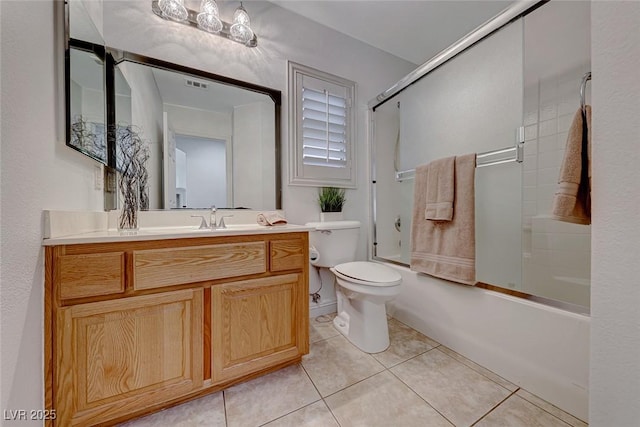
(134, 324)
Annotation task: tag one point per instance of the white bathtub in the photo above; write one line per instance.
(543, 349)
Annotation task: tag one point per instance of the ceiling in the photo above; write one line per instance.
(412, 30)
(215, 97)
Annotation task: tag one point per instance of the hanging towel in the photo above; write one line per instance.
(440, 186)
(271, 218)
(446, 249)
(572, 200)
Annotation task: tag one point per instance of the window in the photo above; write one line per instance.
(321, 134)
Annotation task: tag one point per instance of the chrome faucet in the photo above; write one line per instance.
(222, 224)
(212, 217)
(203, 222)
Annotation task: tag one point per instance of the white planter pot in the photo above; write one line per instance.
(330, 216)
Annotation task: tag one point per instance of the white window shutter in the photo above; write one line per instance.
(322, 135)
(324, 129)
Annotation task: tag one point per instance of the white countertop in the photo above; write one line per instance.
(158, 233)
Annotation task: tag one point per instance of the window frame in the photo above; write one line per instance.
(297, 175)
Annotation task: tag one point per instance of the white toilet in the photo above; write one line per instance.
(363, 287)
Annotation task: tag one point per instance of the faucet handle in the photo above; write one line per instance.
(222, 224)
(203, 221)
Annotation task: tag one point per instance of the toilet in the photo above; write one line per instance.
(363, 287)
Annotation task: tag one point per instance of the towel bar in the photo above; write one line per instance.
(489, 158)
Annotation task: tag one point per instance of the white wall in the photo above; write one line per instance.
(253, 150)
(37, 172)
(206, 171)
(200, 123)
(615, 270)
(146, 116)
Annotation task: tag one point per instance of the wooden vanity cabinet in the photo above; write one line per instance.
(254, 325)
(133, 327)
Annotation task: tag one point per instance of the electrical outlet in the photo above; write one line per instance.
(98, 180)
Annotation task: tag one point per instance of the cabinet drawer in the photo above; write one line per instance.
(155, 268)
(287, 255)
(89, 275)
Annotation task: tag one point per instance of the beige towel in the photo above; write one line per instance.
(271, 218)
(572, 200)
(440, 184)
(446, 249)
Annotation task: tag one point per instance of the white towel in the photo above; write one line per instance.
(271, 218)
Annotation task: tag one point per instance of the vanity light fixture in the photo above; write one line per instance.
(208, 19)
(173, 9)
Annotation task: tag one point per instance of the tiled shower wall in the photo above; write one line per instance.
(556, 255)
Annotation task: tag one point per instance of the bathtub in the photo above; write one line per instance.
(543, 349)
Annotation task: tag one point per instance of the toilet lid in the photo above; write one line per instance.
(371, 272)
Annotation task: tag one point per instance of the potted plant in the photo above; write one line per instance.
(331, 200)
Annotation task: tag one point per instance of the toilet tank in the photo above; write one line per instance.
(333, 242)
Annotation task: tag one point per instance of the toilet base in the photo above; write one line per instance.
(363, 323)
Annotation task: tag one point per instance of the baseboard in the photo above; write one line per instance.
(320, 309)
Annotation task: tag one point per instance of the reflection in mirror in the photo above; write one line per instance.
(210, 143)
(85, 79)
(86, 109)
(85, 21)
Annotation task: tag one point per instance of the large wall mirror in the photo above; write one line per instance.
(212, 140)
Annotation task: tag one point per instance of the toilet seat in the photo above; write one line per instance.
(367, 274)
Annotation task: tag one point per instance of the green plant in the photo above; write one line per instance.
(331, 199)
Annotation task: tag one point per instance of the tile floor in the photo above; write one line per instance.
(415, 382)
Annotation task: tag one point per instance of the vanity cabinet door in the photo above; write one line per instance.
(116, 357)
(257, 324)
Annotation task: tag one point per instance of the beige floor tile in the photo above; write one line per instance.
(321, 328)
(480, 369)
(268, 397)
(456, 391)
(335, 363)
(315, 415)
(405, 343)
(517, 412)
(383, 400)
(553, 410)
(205, 411)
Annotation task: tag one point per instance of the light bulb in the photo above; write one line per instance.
(241, 30)
(173, 9)
(209, 18)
